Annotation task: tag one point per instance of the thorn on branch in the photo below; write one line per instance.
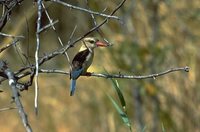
(187, 69)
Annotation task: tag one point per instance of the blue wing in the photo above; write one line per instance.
(74, 75)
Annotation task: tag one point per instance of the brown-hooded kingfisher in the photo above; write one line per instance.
(83, 59)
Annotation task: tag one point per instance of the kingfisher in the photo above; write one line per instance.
(83, 59)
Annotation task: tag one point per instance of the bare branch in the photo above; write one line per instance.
(57, 52)
(7, 108)
(47, 26)
(9, 45)
(8, 6)
(65, 48)
(186, 69)
(59, 39)
(84, 10)
(12, 36)
(39, 5)
(12, 82)
(122, 76)
(95, 24)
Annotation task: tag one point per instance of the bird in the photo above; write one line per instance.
(83, 59)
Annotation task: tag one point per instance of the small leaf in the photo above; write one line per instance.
(119, 93)
(123, 115)
(143, 130)
(163, 128)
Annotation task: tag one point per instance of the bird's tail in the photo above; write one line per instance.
(72, 87)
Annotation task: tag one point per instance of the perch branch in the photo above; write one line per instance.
(105, 75)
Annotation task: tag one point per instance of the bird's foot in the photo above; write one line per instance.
(88, 74)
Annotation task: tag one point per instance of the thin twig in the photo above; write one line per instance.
(59, 39)
(12, 83)
(95, 24)
(65, 48)
(7, 108)
(69, 41)
(47, 26)
(85, 10)
(12, 36)
(9, 45)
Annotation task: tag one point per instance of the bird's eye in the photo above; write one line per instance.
(91, 41)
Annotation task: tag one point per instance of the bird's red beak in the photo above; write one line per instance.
(101, 44)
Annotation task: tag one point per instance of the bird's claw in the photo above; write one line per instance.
(88, 74)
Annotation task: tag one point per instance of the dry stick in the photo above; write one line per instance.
(84, 10)
(95, 24)
(12, 83)
(72, 34)
(12, 36)
(47, 26)
(105, 75)
(9, 45)
(7, 108)
(59, 39)
(120, 75)
(25, 68)
(70, 38)
(62, 50)
(39, 5)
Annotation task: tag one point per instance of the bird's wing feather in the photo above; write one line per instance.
(72, 87)
(79, 59)
(77, 64)
(76, 73)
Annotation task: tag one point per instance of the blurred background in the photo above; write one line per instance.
(153, 36)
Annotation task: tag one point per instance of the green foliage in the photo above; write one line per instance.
(123, 115)
(119, 93)
(121, 111)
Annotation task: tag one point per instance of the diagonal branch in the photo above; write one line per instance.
(55, 53)
(9, 35)
(12, 82)
(58, 37)
(84, 10)
(66, 47)
(9, 45)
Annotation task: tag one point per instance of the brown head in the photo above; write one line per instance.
(91, 43)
